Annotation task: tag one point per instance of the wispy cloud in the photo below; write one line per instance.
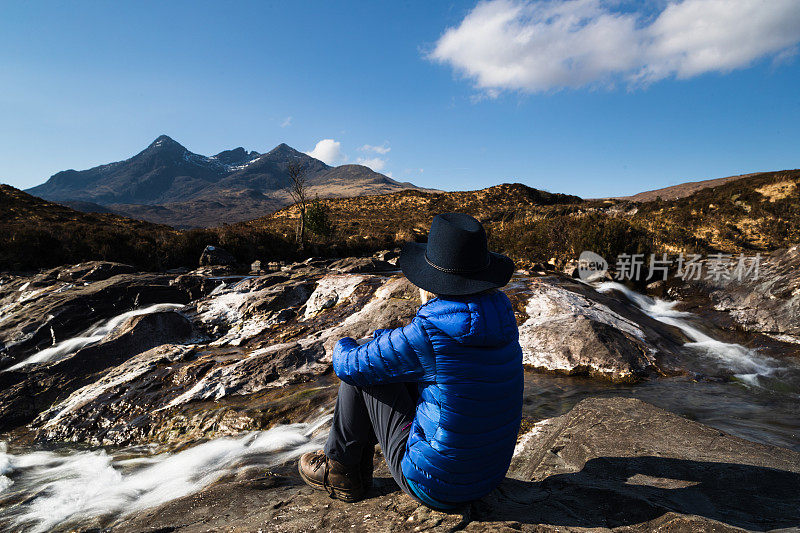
(286, 122)
(328, 151)
(528, 46)
(375, 163)
(380, 149)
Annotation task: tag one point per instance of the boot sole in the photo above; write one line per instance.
(339, 494)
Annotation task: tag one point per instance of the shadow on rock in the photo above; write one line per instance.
(619, 491)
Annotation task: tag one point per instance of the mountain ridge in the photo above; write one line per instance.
(166, 183)
(682, 190)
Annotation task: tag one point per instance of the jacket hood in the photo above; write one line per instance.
(485, 319)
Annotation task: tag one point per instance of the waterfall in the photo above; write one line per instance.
(748, 365)
(67, 347)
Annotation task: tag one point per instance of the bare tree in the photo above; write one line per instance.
(298, 190)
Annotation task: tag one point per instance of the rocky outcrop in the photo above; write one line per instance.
(251, 353)
(267, 332)
(93, 271)
(571, 328)
(769, 304)
(157, 395)
(248, 308)
(214, 255)
(329, 291)
(25, 393)
(610, 464)
(351, 265)
(41, 311)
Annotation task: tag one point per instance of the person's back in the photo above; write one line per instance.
(442, 395)
(468, 417)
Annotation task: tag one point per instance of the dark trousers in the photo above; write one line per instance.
(379, 414)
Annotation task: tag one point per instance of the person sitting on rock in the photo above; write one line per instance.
(441, 395)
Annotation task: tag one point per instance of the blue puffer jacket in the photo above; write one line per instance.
(465, 355)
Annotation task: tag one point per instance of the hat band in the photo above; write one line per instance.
(459, 270)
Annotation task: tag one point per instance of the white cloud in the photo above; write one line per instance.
(286, 122)
(328, 151)
(381, 149)
(539, 46)
(375, 163)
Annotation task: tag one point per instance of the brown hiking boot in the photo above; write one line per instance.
(337, 480)
(366, 466)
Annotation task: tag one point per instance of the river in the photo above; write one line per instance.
(743, 392)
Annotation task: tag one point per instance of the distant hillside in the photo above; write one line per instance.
(759, 213)
(756, 212)
(410, 210)
(35, 233)
(385, 221)
(681, 190)
(168, 184)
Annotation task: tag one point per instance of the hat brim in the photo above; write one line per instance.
(419, 272)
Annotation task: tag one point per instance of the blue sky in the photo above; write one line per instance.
(514, 91)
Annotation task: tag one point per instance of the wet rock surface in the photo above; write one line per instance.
(27, 392)
(250, 353)
(245, 335)
(613, 464)
(176, 394)
(573, 329)
(769, 304)
(41, 310)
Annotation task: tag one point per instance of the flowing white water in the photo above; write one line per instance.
(71, 488)
(748, 365)
(67, 347)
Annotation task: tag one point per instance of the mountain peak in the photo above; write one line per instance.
(207, 188)
(284, 149)
(236, 156)
(165, 141)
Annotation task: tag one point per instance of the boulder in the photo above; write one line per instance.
(613, 464)
(353, 265)
(215, 255)
(572, 269)
(93, 271)
(25, 393)
(390, 256)
(38, 314)
(573, 329)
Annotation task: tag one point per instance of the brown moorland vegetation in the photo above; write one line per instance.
(756, 213)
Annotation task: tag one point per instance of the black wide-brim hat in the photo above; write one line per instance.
(456, 260)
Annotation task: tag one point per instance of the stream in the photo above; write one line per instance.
(746, 393)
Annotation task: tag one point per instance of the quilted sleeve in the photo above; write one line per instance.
(392, 356)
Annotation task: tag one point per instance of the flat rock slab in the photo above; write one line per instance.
(609, 464)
